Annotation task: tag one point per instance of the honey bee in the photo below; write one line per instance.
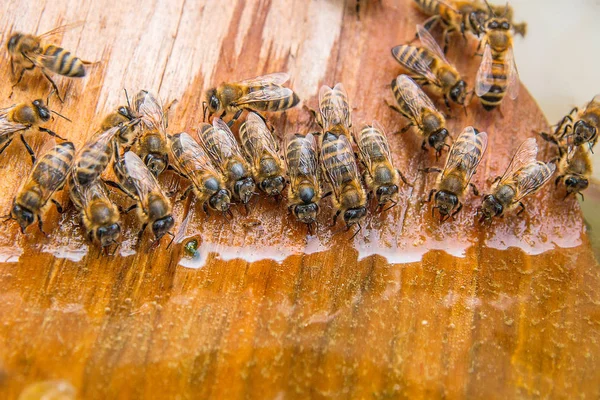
(381, 177)
(223, 150)
(126, 117)
(152, 144)
(497, 74)
(138, 182)
(340, 168)
(464, 157)
(443, 13)
(428, 65)
(99, 215)
(263, 152)
(19, 119)
(190, 161)
(29, 51)
(334, 111)
(304, 191)
(475, 13)
(414, 105)
(575, 170)
(523, 177)
(48, 176)
(263, 93)
(582, 127)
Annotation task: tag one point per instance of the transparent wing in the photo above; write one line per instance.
(8, 127)
(151, 111)
(195, 156)
(342, 161)
(377, 144)
(269, 93)
(261, 140)
(141, 177)
(430, 44)
(413, 96)
(334, 106)
(512, 74)
(225, 145)
(482, 84)
(342, 104)
(418, 66)
(61, 29)
(465, 154)
(47, 165)
(278, 78)
(532, 181)
(525, 154)
(307, 164)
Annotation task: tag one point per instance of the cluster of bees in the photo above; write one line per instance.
(134, 140)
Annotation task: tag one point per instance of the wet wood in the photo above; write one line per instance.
(510, 310)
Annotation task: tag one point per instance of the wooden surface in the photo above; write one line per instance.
(447, 313)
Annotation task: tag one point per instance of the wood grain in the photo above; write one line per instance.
(510, 310)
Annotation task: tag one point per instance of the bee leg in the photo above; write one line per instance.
(51, 133)
(40, 226)
(205, 209)
(549, 138)
(430, 196)
(447, 106)
(430, 169)
(460, 206)
(581, 194)
(326, 195)
(474, 188)
(496, 179)
(128, 209)
(5, 146)
(357, 231)
(522, 208)
(335, 217)
(403, 178)
(58, 206)
(141, 233)
(54, 87)
(557, 180)
(186, 193)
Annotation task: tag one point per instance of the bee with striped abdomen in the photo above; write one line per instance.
(152, 144)
(575, 170)
(497, 74)
(220, 144)
(428, 65)
(304, 191)
(123, 115)
(20, 118)
(523, 177)
(190, 161)
(263, 151)
(335, 114)
(48, 176)
(414, 105)
(99, 215)
(464, 157)
(443, 13)
(30, 51)
(381, 177)
(263, 93)
(349, 197)
(579, 128)
(139, 183)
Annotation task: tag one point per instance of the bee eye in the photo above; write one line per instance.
(214, 102)
(505, 26)
(493, 25)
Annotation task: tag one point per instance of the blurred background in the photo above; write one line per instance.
(559, 62)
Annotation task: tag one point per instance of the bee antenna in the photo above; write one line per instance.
(357, 231)
(60, 115)
(433, 211)
(204, 108)
(172, 239)
(465, 108)
(127, 98)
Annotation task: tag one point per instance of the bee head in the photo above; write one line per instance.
(214, 104)
(306, 213)
(386, 193)
(583, 132)
(353, 216)
(272, 186)
(477, 20)
(23, 216)
(437, 140)
(458, 93)
(42, 111)
(126, 112)
(13, 41)
(156, 163)
(220, 201)
(108, 235)
(575, 184)
(244, 189)
(445, 202)
(161, 226)
(491, 207)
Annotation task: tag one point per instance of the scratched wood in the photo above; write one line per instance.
(510, 310)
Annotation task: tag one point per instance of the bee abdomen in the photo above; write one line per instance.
(93, 162)
(409, 56)
(62, 62)
(52, 169)
(430, 7)
(497, 80)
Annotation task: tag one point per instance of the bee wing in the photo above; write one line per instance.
(343, 158)
(342, 105)
(262, 138)
(377, 144)
(334, 106)
(430, 44)
(512, 74)
(525, 154)
(468, 156)
(198, 159)
(226, 145)
(48, 173)
(140, 176)
(268, 93)
(482, 85)
(278, 78)
(8, 127)
(527, 184)
(61, 29)
(307, 160)
(413, 96)
(151, 111)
